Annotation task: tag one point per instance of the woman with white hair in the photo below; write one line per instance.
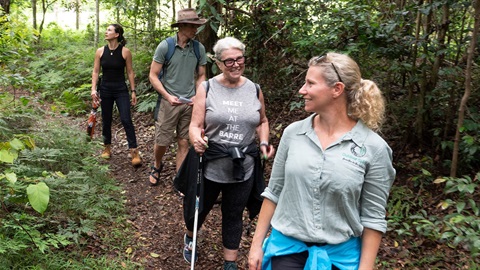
(229, 110)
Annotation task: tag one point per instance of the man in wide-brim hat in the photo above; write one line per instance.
(188, 16)
(182, 72)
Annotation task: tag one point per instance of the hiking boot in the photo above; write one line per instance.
(230, 266)
(187, 250)
(136, 160)
(107, 151)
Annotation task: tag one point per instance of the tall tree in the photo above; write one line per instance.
(468, 87)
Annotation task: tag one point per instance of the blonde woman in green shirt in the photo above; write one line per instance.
(331, 177)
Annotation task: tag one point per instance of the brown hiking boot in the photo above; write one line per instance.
(107, 151)
(136, 160)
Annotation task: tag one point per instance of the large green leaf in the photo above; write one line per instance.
(11, 177)
(17, 144)
(38, 196)
(7, 156)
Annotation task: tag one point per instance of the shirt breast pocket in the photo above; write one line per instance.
(352, 174)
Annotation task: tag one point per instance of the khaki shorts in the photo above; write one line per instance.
(172, 123)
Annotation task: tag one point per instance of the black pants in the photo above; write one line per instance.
(292, 262)
(116, 92)
(234, 200)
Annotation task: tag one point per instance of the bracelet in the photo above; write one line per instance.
(134, 91)
(265, 143)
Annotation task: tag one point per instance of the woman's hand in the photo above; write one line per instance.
(134, 98)
(95, 97)
(255, 257)
(268, 151)
(200, 143)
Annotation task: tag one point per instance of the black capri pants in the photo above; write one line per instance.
(234, 200)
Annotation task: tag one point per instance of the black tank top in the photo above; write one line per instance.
(113, 65)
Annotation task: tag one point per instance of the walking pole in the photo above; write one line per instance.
(197, 206)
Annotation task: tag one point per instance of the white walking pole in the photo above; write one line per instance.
(197, 206)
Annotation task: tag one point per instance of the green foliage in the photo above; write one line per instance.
(469, 145)
(53, 170)
(15, 40)
(457, 223)
(399, 211)
(148, 103)
(424, 165)
(147, 96)
(38, 193)
(68, 86)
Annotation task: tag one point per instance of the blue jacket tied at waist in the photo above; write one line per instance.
(345, 256)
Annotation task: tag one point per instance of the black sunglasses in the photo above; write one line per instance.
(323, 59)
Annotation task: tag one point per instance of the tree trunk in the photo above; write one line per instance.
(421, 27)
(151, 15)
(418, 27)
(77, 14)
(44, 12)
(468, 88)
(208, 37)
(158, 13)
(135, 25)
(439, 59)
(452, 103)
(5, 4)
(97, 22)
(34, 13)
(442, 33)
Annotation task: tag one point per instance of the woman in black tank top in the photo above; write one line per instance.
(113, 59)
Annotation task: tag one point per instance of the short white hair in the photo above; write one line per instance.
(227, 43)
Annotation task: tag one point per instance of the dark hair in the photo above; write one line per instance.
(119, 30)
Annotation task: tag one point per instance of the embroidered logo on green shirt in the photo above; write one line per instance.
(359, 151)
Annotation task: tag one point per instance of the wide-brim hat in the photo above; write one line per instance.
(188, 15)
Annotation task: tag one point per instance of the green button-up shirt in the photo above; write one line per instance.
(329, 195)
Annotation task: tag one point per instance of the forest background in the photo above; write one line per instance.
(423, 54)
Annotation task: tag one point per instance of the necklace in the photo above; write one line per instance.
(112, 51)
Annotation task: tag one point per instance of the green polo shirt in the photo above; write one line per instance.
(179, 78)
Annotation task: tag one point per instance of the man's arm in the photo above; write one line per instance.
(155, 69)
(201, 76)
